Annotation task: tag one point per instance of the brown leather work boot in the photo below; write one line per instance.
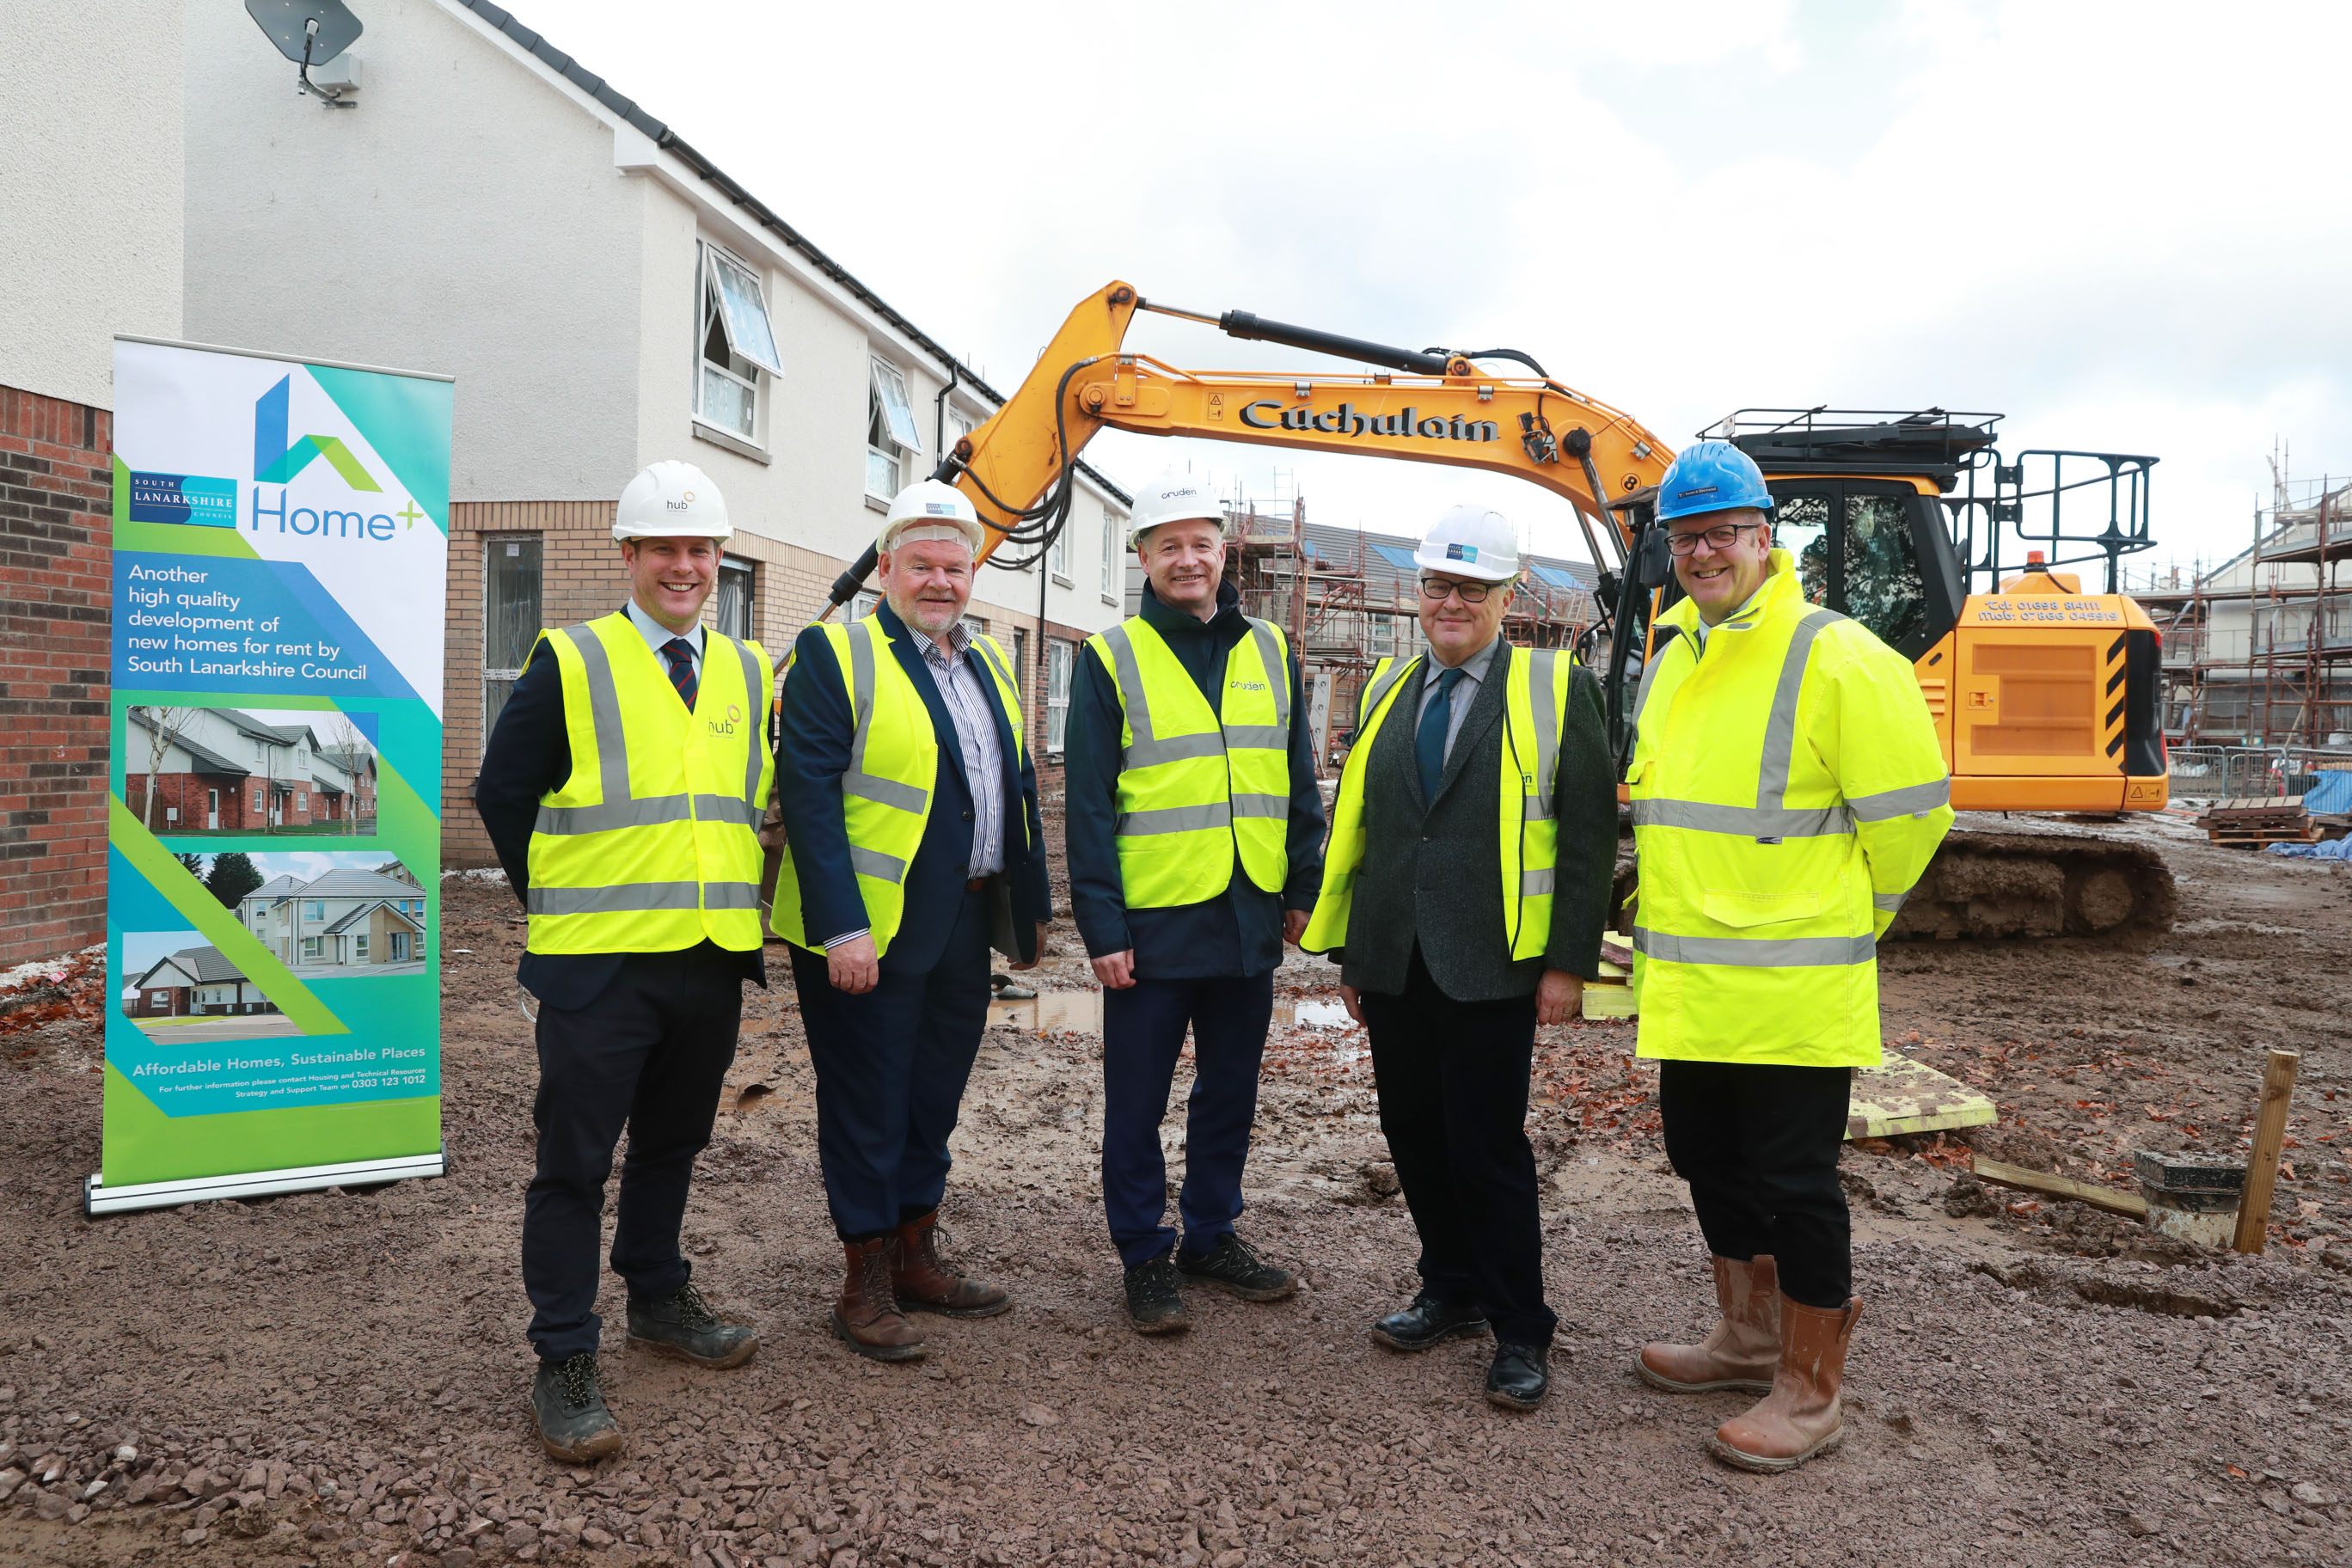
(924, 1283)
(1743, 1352)
(1800, 1417)
(866, 1318)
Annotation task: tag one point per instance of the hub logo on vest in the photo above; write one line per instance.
(277, 461)
(726, 726)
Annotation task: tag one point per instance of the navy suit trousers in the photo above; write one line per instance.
(650, 1054)
(1143, 1034)
(1453, 1084)
(891, 1067)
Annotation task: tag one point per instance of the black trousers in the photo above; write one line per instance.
(1143, 1034)
(1453, 1082)
(891, 1066)
(649, 1054)
(1759, 1142)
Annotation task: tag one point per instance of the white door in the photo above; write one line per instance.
(212, 809)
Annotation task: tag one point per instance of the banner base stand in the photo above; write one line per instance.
(99, 1199)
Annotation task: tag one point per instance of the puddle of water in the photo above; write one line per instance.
(1321, 1016)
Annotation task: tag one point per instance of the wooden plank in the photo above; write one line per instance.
(1900, 1095)
(2048, 1185)
(2262, 1165)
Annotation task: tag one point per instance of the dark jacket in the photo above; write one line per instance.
(1238, 933)
(1432, 876)
(813, 753)
(528, 758)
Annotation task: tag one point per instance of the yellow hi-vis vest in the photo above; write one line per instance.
(886, 795)
(1189, 781)
(652, 844)
(1788, 790)
(1527, 836)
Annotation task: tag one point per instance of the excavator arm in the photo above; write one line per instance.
(1428, 407)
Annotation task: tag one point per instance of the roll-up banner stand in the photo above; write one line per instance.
(281, 554)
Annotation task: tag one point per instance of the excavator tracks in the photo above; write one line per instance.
(1986, 884)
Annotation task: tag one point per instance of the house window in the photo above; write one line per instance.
(890, 433)
(1058, 558)
(731, 610)
(1021, 661)
(511, 623)
(975, 627)
(1058, 657)
(861, 605)
(257, 799)
(737, 342)
(359, 948)
(400, 947)
(314, 909)
(1109, 554)
(310, 947)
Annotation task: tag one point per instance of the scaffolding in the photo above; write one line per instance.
(2257, 651)
(1348, 601)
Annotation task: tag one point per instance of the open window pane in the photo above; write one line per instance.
(897, 411)
(745, 312)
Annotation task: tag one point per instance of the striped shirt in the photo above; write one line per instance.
(965, 691)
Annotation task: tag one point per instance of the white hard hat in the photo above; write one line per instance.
(1471, 541)
(932, 509)
(1175, 496)
(669, 500)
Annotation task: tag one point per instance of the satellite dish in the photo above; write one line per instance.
(308, 31)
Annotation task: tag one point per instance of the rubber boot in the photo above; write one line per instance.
(866, 1318)
(923, 1282)
(1744, 1351)
(1800, 1417)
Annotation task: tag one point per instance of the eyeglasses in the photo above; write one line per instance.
(1720, 537)
(1434, 590)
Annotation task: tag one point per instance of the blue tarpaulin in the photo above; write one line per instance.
(2329, 792)
(2334, 850)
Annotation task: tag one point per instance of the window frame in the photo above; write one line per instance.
(888, 436)
(1110, 553)
(1057, 556)
(715, 306)
(748, 573)
(1061, 659)
(500, 676)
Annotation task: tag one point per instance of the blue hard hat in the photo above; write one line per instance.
(1711, 475)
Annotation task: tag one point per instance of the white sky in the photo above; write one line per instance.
(2122, 225)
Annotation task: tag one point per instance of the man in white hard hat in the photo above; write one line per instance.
(1194, 836)
(910, 817)
(621, 787)
(1464, 891)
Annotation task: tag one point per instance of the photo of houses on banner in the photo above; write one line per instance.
(340, 916)
(246, 771)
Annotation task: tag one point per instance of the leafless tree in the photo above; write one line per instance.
(164, 726)
(347, 750)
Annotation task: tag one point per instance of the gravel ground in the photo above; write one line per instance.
(340, 1378)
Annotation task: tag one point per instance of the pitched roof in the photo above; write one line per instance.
(206, 760)
(757, 211)
(279, 887)
(205, 965)
(345, 882)
(364, 911)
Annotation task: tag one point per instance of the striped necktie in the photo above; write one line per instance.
(681, 654)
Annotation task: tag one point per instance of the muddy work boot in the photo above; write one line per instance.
(923, 1282)
(1800, 1417)
(574, 1424)
(684, 1325)
(1429, 1319)
(866, 1318)
(1232, 1264)
(1744, 1351)
(1154, 1303)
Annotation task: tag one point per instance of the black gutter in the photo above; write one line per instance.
(595, 86)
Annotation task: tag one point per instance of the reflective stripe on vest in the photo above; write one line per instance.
(1227, 769)
(887, 790)
(1535, 687)
(678, 864)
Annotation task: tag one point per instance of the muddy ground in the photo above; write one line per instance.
(340, 1378)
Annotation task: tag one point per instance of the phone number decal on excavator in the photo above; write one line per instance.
(2045, 611)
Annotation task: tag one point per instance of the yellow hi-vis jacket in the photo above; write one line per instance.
(1190, 783)
(1788, 790)
(652, 843)
(894, 762)
(1528, 838)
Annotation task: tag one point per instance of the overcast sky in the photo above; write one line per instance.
(2124, 226)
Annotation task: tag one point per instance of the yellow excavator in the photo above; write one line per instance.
(2048, 698)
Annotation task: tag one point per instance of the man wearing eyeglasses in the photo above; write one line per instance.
(1788, 789)
(1464, 890)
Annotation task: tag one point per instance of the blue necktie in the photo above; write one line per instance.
(1429, 741)
(681, 654)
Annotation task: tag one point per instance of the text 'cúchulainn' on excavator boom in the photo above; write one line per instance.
(2047, 698)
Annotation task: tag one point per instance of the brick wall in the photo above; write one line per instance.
(56, 527)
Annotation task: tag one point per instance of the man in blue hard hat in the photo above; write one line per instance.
(1788, 788)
